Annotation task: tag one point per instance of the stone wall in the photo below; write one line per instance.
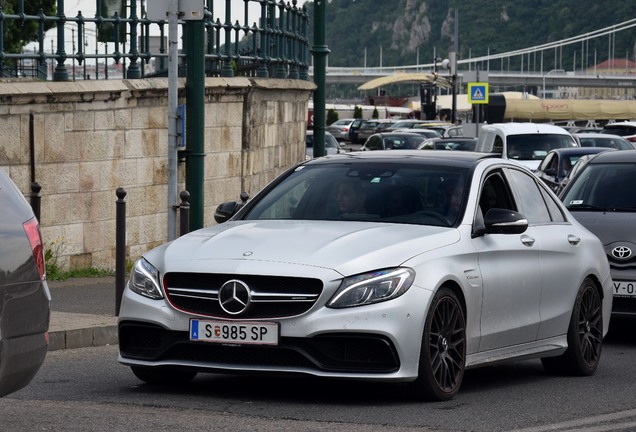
(85, 139)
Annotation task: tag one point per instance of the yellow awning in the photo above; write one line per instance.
(405, 78)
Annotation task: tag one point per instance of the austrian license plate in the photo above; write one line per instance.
(262, 333)
(624, 289)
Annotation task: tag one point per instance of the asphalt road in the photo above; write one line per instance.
(86, 389)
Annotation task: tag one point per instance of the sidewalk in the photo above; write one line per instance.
(82, 313)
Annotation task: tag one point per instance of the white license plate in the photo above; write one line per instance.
(624, 289)
(262, 333)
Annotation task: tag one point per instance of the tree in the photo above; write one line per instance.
(357, 112)
(375, 114)
(17, 34)
(332, 116)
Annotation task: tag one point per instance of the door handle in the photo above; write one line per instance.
(527, 240)
(574, 240)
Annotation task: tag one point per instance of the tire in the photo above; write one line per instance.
(443, 352)
(163, 375)
(585, 335)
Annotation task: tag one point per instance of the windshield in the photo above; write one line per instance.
(395, 193)
(536, 146)
(603, 187)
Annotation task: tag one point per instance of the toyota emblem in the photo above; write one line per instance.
(234, 297)
(621, 252)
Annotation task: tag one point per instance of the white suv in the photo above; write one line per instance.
(527, 143)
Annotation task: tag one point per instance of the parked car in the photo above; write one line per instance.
(603, 199)
(427, 133)
(406, 267)
(590, 139)
(403, 124)
(353, 130)
(625, 129)
(332, 146)
(578, 166)
(581, 129)
(457, 143)
(559, 162)
(340, 129)
(393, 141)
(25, 300)
(446, 130)
(527, 143)
(369, 127)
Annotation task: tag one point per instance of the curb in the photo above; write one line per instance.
(83, 338)
(73, 330)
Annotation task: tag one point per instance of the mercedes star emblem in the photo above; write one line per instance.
(234, 297)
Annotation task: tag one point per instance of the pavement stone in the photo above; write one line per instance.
(82, 313)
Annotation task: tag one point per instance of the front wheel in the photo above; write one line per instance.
(443, 352)
(163, 375)
(585, 335)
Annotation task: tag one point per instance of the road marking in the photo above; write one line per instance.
(589, 424)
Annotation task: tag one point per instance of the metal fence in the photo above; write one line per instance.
(274, 46)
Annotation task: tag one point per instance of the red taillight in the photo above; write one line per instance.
(631, 138)
(32, 230)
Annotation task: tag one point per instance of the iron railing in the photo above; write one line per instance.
(274, 46)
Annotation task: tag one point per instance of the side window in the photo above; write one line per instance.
(375, 143)
(529, 197)
(498, 145)
(555, 211)
(545, 163)
(495, 194)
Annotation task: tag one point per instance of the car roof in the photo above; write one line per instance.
(447, 139)
(623, 123)
(598, 135)
(526, 128)
(572, 151)
(628, 156)
(436, 157)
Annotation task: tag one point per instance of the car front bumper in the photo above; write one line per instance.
(375, 342)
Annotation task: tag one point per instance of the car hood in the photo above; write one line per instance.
(610, 227)
(345, 247)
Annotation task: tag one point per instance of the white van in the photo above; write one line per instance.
(527, 143)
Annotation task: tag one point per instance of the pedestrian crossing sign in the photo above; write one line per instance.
(478, 93)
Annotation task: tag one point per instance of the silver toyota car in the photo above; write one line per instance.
(401, 266)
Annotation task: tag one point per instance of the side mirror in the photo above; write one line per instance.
(501, 221)
(225, 211)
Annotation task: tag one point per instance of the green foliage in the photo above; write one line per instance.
(375, 114)
(52, 252)
(359, 32)
(357, 112)
(332, 116)
(16, 34)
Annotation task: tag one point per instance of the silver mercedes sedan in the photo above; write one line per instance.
(401, 266)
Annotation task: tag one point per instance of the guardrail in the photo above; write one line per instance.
(277, 47)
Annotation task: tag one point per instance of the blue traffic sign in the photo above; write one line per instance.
(478, 93)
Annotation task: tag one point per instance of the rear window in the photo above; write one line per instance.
(621, 130)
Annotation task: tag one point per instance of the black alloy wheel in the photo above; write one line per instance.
(585, 335)
(443, 353)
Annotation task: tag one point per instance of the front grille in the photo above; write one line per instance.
(361, 353)
(271, 296)
(624, 304)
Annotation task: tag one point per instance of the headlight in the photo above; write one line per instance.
(144, 280)
(372, 287)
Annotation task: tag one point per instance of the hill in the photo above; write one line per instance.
(399, 32)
